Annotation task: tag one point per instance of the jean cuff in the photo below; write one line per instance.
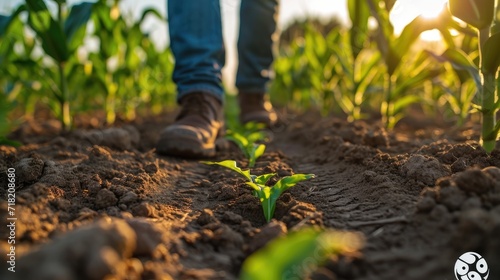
(252, 90)
(216, 92)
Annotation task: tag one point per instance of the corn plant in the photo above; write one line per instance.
(8, 60)
(60, 37)
(357, 73)
(481, 15)
(394, 50)
(154, 80)
(296, 255)
(268, 195)
(305, 71)
(246, 137)
(119, 69)
(461, 86)
(358, 65)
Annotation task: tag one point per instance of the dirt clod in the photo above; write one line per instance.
(424, 169)
(105, 198)
(474, 180)
(128, 198)
(269, 232)
(149, 237)
(100, 249)
(29, 169)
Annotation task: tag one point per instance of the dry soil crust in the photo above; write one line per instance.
(100, 202)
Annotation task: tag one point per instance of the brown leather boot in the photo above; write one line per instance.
(195, 129)
(254, 107)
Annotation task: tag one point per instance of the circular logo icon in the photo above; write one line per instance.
(471, 266)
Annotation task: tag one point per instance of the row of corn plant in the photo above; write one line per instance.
(366, 68)
(126, 73)
(60, 37)
(120, 71)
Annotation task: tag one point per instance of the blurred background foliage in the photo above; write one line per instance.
(115, 68)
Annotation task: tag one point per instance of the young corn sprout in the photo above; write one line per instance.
(296, 255)
(268, 195)
(246, 138)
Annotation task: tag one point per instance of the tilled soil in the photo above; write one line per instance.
(100, 204)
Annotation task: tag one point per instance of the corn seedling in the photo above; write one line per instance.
(298, 254)
(246, 138)
(481, 15)
(268, 195)
(60, 37)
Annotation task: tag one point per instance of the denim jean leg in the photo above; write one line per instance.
(257, 36)
(196, 41)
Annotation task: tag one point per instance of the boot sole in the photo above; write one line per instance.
(186, 148)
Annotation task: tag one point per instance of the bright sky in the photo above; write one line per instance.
(403, 13)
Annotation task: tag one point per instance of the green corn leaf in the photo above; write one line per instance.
(76, 23)
(404, 102)
(281, 186)
(477, 107)
(446, 35)
(460, 61)
(346, 103)
(231, 164)
(48, 30)
(359, 15)
(493, 134)
(7, 142)
(421, 76)
(6, 21)
(289, 181)
(371, 66)
(253, 126)
(151, 11)
(297, 254)
(263, 179)
(240, 141)
(491, 54)
(268, 205)
(256, 136)
(255, 187)
(403, 43)
(103, 17)
(256, 152)
(478, 13)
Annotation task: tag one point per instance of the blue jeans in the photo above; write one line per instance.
(197, 44)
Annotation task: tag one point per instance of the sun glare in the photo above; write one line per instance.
(431, 36)
(431, 9)
(406, 10)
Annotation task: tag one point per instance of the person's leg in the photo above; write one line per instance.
(257, 37)
(196, 42)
